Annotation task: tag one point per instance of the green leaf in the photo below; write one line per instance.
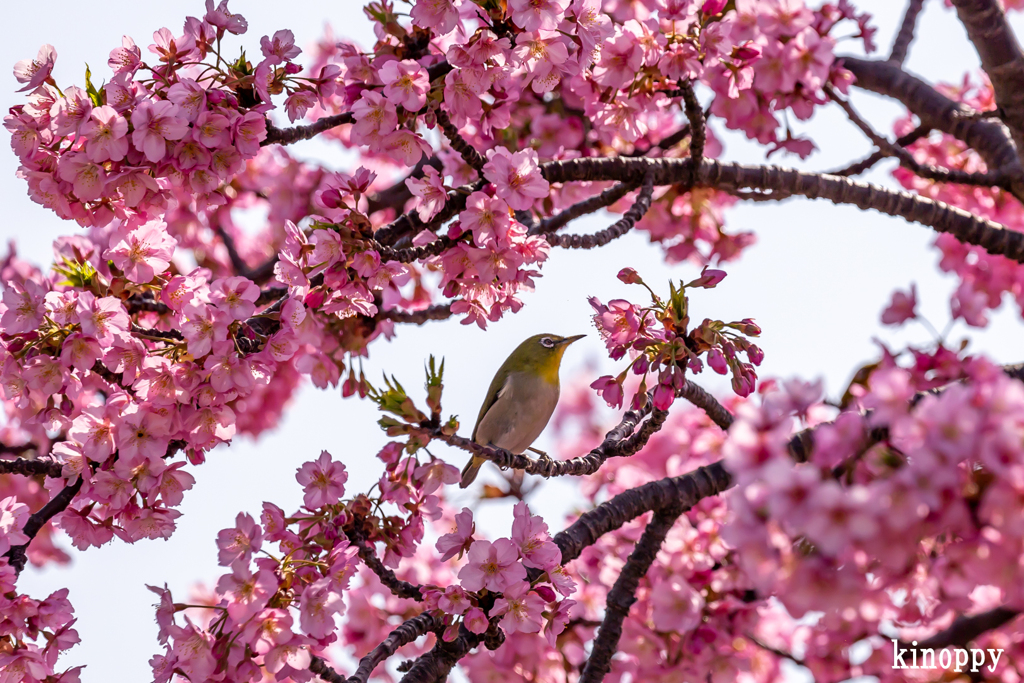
(95, 95)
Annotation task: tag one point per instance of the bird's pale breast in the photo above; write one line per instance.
(520, 413)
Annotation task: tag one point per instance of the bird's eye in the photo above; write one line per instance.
(547, 342)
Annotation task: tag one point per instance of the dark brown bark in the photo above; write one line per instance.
(989, 138)
(906, 33)
(48, 468)
(623, 594)
(1001, 58)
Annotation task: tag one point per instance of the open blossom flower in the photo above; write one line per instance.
(107, 134)
(247, 592)
(317, 607)
(901, 308)
(235, 296)
(557, 620)
(431, 192)
(144, 252)
(323, 481)
(516, 176)
(618, 322)
(25, 308)
(677, 606)
(102, 318)
(459, 540)
(530, 533)
(487, 218)
(225, 20)
(13, 515)
(125, 59)
(405, 84)
(88, 179)
(531, 15)
(523, 609)
(280, 48)
(155, 123)
(239, 542)
(32, 72)
(439, 15)
(492, 566)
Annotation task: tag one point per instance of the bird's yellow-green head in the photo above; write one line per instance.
(540, 354)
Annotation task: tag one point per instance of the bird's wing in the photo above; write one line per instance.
(498, 386)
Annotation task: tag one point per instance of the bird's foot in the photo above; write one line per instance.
(542, 456)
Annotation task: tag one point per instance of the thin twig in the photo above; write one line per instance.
(907, 160)
(616, 229)
(905, 36)
(867, 163)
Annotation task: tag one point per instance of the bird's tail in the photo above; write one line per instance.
(470, 471)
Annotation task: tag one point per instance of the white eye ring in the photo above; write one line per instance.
(547, 342)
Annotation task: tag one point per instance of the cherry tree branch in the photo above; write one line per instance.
(905, 36)
(699, 397)
(258, 274)
(868, 162)
(438, 663)
(288, 136)
(18, 555)
(623, 594)
(28, 468)
(684, 491)
(616, 229)
(695, 114)
(990, 138)
(402, 589)
(468, 153)
(1001, 58)
(623, 440)
(965, 629)
(970, 229)
(409, 631)
(583, 207)
(907, 160)
(435, 312)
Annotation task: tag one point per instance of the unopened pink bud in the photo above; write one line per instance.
(545, 592)
(713, 7)
(629, 276)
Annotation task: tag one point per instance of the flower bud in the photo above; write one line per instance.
(629, 276)
(713, 7)
(545, 592)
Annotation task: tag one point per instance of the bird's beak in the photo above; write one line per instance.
(570, 340)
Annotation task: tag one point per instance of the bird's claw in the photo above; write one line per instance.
(542, 457)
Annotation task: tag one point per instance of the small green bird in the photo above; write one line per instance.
(521, 398)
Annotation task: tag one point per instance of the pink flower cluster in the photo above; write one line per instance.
(925, 513)
(984, 278)
(501, 567)
(267, 616)
(35, 632)
(177, 124)
(659, 339)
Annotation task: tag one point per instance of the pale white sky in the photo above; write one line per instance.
(816, 282)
